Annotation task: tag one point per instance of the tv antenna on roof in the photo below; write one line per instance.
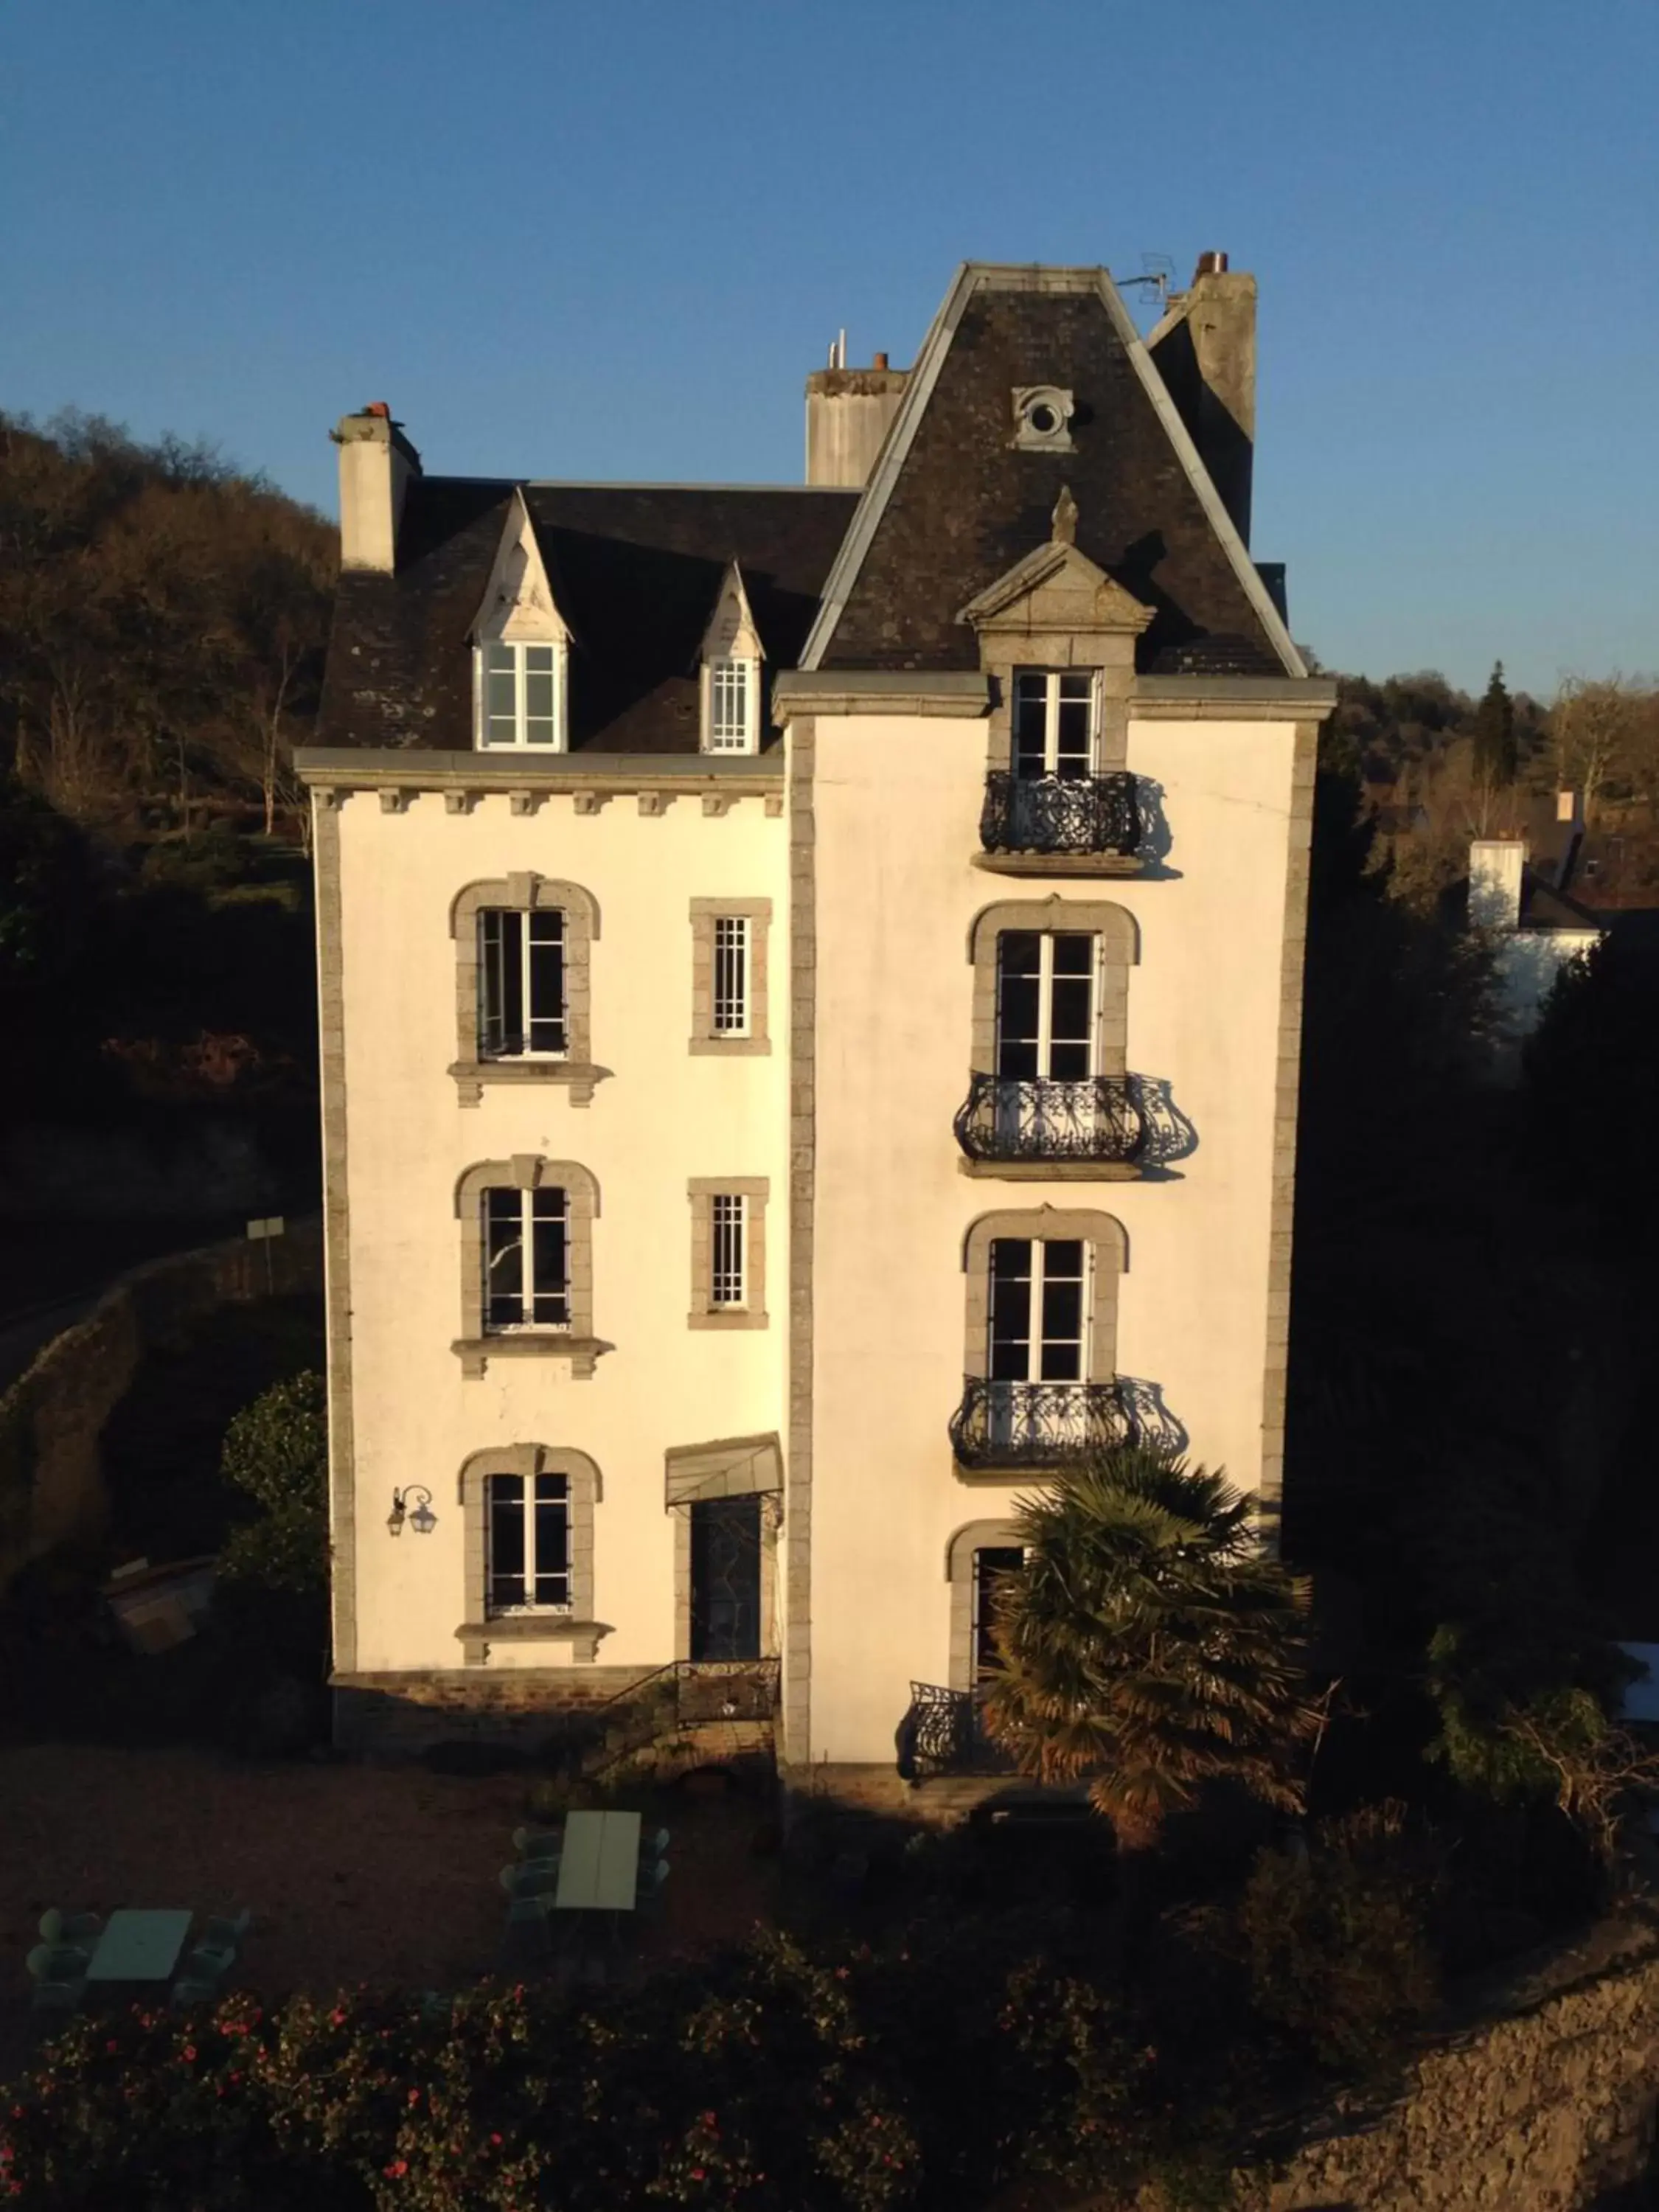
(1156, 273)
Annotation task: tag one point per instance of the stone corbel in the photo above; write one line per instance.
(774, 804)
(656, 802)
(716, 803)
(459, 802)
(394, 801)
(588, 802)
(328, 796)
(526, 802)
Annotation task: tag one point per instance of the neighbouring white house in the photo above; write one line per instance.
(1519, 897)
(811, 998)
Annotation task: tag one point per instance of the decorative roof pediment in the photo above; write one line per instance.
(1056, 588)
(732, 634)
(517, 605)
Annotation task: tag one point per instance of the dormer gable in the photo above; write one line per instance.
(1057, 605)
(520, 648)
(518, 606)
(730, 658)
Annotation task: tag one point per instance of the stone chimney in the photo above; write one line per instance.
(376, 462)
(1205, 349)
(1496, 867)
(848, 412)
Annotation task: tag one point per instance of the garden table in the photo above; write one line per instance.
(600, 1870)
(139, 1946)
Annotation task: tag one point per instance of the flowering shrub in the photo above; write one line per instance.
(762, 2079)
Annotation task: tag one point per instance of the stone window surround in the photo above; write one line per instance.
(1046, 1224)
(529, 1172)
(975, 1536)
(705, 911)
(1120, 937)
(576, 1627)
(526, 893)
(733, 1467)
(702, 1190)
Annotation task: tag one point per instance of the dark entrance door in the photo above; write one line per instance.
(725, 1542)
(995, 1560)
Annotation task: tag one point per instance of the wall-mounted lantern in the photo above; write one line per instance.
(421, 1516)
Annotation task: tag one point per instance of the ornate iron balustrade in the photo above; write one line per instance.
(1060, 814)
(943, 1732)
(1007, 1119)
(1037, 1425)
(726, 1689)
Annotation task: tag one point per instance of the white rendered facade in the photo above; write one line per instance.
(814, 1366)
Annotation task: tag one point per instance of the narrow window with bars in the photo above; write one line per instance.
(731, 974)
(521, 984)
(733, 700)
(527, 1258)
(728, 1250)
(529, 1564)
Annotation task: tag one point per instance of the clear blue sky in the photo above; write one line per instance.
(575, 240)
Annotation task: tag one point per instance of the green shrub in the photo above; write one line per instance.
(276, 1449)
(1336, 1937)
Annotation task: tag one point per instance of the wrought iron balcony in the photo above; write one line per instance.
(1005, 1118)
(943, 1732)
(1060, 814)
(1038, 1424)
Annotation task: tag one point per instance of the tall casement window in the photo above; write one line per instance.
(992, 1562)
(1054, 722)
(976, 1560)
(521, 696)
(1046, 1004)
(527, 1258)
(728, 1251)
(1039, 1313)
(733, 706)
(521, 983)
(523, 948)
(529, 1543)
(527, 1262)
(527, 1527)
(1042, 1348)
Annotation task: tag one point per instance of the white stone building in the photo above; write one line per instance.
(811, 986)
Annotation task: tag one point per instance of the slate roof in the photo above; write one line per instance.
(636, 571)
(953, 503)
(836, 580)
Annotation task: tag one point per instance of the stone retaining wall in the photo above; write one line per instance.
(517, 1707)
(51, 1419)
(1547, 2108)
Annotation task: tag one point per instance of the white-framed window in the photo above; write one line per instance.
(730, 1001)
(1054, 723)
(528, 1544)
(520, 697)
(1047, 1023)
(522, 1004)
(1039, 1312)
(526, 1258)
(728, 1250)
(730, 705)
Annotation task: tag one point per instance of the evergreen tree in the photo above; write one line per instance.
(1497, 751)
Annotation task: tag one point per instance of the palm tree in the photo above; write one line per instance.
(1148, 1644)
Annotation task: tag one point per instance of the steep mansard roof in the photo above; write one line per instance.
(953, 503)
(836, 580)
(636, 571)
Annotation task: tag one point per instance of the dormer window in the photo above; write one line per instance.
(522, 648)
(733, 689)
(732, 672)
(521, 696)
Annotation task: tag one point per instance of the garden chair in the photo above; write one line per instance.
(648, 1893)
(56, 1962)
(659, 1843)
(537, 1843)
(528, 1878)
(206, 1967)
(82, 1929)
(216, 1952)
(190, 1990)
(61, 1996)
